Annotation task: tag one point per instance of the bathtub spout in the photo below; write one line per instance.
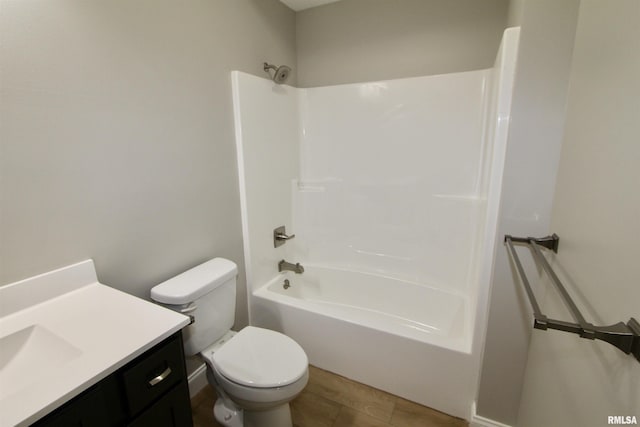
(296, 268)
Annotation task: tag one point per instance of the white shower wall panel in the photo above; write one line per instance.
(389, 176)
(266, 126)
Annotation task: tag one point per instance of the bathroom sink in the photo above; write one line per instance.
(30, 355)
(61, 332)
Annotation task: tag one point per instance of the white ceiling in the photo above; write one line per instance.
(299, 5)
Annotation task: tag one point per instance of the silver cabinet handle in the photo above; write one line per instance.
(160, 378)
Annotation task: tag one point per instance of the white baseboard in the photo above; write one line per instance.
(198, 380)
(478, 421)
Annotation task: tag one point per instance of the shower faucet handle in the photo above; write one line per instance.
(280, 236)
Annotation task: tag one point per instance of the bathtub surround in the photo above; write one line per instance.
(378, 179)
(388, 183)
(267, 163)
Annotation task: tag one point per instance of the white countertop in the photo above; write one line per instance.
(87, 330)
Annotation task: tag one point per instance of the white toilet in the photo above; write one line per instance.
(256, 372)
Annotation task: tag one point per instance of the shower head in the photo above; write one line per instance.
(281, 73)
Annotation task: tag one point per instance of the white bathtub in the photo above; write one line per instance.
(406, 338)
(411, 310)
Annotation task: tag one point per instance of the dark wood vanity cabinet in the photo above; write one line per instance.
(151, 390)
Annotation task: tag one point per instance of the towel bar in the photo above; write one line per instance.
(625, 337)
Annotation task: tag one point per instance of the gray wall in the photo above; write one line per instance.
(533, 153)
(117, 138)
(365, 40)
(596, 211)
(514, 14)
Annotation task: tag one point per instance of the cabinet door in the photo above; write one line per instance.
(89, 410)
(173, 410)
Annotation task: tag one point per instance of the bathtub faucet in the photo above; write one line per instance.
(296, 268)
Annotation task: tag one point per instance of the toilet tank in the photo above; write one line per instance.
(206, 292)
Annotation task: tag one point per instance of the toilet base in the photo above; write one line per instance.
(280, 416)
(228, 417)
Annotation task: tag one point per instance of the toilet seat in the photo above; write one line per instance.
(261, 358)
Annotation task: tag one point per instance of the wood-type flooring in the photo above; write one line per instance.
(330, 400)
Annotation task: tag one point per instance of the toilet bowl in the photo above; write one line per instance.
(256, 372)
(259, 371)
(258, 399)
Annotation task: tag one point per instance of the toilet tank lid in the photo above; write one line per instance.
(194, 283)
